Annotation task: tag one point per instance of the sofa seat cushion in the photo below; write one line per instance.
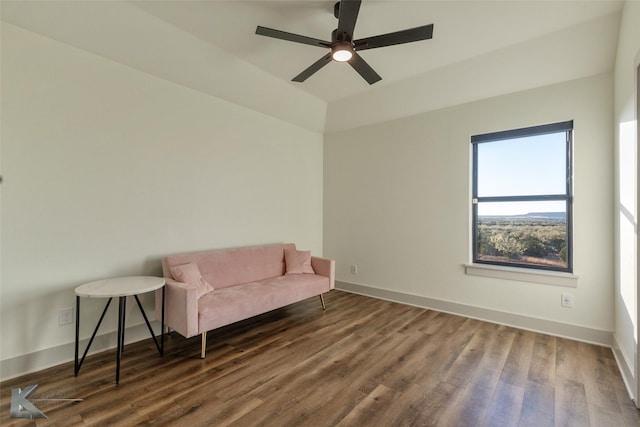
(228, 305)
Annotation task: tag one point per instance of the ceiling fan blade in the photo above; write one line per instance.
(364, 69)
(283, 35)
(399, 37)
(313, 68)
(348, 15)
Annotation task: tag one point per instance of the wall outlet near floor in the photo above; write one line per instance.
(65, 316)
(567, 300)
(354, 269)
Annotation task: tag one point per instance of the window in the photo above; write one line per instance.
(522, 197)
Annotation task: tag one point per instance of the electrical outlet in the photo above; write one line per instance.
(567, 300)
(354, 269)
(65, 316)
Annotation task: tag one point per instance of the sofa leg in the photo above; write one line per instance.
(203, 350)
(322, 302)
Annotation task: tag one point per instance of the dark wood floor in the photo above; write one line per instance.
(363, 362)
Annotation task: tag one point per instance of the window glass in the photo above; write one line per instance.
(533, 233)
(522, 201)
(523, 166)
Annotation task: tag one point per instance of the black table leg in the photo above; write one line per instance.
(124, 322)
(78, 364)
(162, 325)
(121, 311)
(146, 320)
(76, 368)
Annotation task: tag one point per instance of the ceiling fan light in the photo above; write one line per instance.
(342, 52)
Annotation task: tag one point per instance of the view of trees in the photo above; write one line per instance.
(523, 239)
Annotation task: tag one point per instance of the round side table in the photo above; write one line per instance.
(120, 287)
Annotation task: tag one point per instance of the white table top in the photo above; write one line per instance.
(120, 286)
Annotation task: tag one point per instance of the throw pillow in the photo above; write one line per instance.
(298, 262)
(190, 274)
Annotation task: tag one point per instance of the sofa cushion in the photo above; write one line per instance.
(298, 262)
(234, 303)
(190, 274)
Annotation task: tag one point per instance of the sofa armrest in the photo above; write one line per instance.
(325, 267)
(181, 307)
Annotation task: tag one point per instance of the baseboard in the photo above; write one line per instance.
(625, 370)
(53, 356)
(549, 327)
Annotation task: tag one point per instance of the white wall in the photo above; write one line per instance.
(625, 206)
(542, 61)
(106, 169)
(397, 203)
(128, 34)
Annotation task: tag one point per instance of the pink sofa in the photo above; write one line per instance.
(207, 290)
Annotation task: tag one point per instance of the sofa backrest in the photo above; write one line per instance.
(227, 267)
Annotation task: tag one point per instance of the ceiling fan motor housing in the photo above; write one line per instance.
(340, 37)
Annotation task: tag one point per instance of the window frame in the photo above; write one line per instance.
(567, 127)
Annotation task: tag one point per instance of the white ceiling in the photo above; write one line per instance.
(462, 30)
(172, 39)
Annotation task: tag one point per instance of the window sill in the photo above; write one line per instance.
(523, 274)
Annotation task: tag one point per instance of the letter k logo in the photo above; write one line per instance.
(20, 405)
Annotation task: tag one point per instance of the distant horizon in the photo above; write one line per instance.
(546, 214)
(520, 208)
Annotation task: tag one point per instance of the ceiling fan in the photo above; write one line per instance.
(343, 47)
